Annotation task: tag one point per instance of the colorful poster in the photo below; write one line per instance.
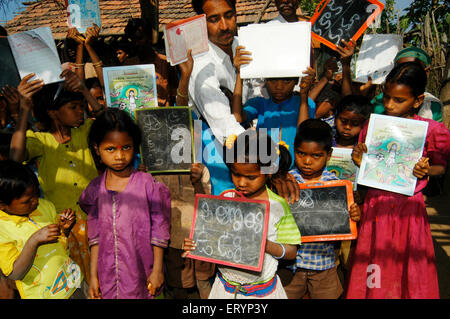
(394, 146)
(342, 165)
(82, 14)
(180, 36)
(35, 51)
(130, 87)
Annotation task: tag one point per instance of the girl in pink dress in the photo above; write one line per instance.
(394, 255)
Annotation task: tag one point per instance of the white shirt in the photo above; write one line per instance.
(210, 72)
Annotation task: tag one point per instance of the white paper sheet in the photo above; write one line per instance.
(278, 50)
(376, 57)
(35, 51)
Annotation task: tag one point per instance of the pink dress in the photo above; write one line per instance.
(394, 255)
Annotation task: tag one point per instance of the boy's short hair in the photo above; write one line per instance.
(5, 141)
(314, 130)
(358, 104)
(15, 179)
(197, 5)
(134, 24)
(93, 82)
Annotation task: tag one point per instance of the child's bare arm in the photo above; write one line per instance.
(241, 58)
(196, 178)
(183, 85)
(26, 90)
(330, 68)
(94, 285)
(275, 249)
(305, 86)
(91, 35)
(73, 34)
(346, 53)
(156, 278)
(25, 260)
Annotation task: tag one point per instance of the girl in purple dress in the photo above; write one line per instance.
(128, 215)
(394, 255)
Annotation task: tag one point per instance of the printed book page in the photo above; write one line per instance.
(183, 35)
(35, 51)
(342, 165)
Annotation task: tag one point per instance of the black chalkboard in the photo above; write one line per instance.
(230, 231)
(166, 138)
(322, 213)
(343, 20)
(8, 70)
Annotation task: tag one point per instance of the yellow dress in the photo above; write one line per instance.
(53, 275)
(64, 171)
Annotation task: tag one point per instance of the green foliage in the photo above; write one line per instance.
(309, 6)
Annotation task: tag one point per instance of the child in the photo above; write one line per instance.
(33, 240)
(314, 270)
(281, 111)
(352, 112)
(283, 235)
(128, 214)
(394, 233)
(65, 164)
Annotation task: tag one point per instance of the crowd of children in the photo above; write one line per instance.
(80, 218)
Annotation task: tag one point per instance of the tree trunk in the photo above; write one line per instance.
(149, 12)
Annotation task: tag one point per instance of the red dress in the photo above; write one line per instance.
(394, 254)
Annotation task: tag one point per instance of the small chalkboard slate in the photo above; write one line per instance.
(322, 212)
(8, 70)
(167, 139)
(230, 231)
(336, 20)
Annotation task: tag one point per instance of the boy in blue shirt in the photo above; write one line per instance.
(314, 269)
(282, 112)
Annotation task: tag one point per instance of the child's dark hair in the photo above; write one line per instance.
(198, 5)
(93, 82)
(15, 179)
(314, 130)
(410, 74)
(134, 24)
(256, 146)
(112, 119)
(5, 142)
(45, 101)
(357, 104)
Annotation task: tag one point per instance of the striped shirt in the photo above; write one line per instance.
(314, 256)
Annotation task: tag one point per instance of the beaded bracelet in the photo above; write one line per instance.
(284, 252)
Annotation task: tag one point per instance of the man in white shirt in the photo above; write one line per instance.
(213, 76)
(287, 11)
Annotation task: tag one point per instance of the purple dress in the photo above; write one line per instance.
(126, 225)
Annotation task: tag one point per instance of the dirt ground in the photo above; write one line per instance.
(438, 208)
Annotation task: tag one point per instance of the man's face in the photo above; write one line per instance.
(221, 22)
(287, 8)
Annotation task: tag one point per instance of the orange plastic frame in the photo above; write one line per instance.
(240, 198)
(349, 190)
(357, 34)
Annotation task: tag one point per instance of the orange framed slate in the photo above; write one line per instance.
(322, 212)
(230, 231)
(350, 18)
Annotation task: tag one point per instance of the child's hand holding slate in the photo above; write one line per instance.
(355, 212)
(188, 246)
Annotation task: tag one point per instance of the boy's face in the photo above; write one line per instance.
(349, 124)
(24, 205)
(311, 159)
(280, 89)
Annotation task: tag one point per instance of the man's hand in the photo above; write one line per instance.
(287, 187)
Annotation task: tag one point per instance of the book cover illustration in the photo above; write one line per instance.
(394, 146)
